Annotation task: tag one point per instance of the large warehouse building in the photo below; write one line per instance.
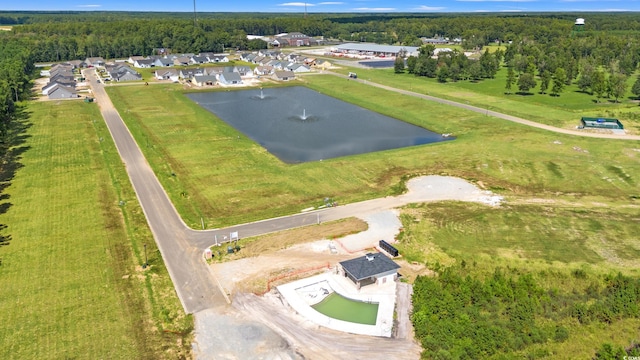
(367, 49)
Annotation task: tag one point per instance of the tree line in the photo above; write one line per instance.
(68, 35)
(16, 67)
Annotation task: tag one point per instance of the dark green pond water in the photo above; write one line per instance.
(341, 308)
(298, 124)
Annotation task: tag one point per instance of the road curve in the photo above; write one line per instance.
(492, 113)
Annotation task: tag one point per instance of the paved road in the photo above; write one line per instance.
(194, 285)
(494, 113)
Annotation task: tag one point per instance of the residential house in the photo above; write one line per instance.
(243, 70)
(189, 73)
(167, 74)
(298, 68)
(58, 91)
(204, 80)
(198, 60)
(218, 58)
(75, 63)
(263, 70)
(132, 59)
(181, 61)
(323, 64)
(284, 75)
(122, 72)
(94, 61)
(229, 78)
(369, 269)
(143, 63)
(162, 62)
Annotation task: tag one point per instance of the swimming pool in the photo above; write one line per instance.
(339, 307)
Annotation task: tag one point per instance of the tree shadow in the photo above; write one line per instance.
(524, 93)
(12, 148)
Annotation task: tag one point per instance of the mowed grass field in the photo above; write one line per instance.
(72, 285)
(563, 111)
(212, 171)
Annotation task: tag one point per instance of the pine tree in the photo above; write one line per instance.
(511, 79)
(559, 81)
(635, 90)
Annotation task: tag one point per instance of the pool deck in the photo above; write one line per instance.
(384, 295)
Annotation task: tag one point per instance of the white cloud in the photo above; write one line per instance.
(296, 4)
(89, 6)
(374, 9)
(429, 8)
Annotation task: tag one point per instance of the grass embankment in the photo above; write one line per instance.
(71, 277)
(563, 111)
(211, 170)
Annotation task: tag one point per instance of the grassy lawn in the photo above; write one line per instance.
(563, 111)
(211, 170)
(71, 280)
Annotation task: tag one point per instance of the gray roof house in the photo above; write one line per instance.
(243, 70)
(369, 269)
(123, 73)
(181, 61)
(189, 73)
(284, 75)
(263, 70)
(167, 74)
(143, 63)
(204, 80)
(298, 68)
(162, 62)
(94, 61)
(218, 58)
(229, 78)
(58, 91)
(199, 60)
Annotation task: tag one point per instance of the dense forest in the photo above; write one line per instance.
(459, 314)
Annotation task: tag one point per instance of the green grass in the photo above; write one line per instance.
(563, 111)
(554, 232)
(72, 285)
(211, 170)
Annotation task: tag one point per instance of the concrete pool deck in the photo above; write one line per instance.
(384, 295)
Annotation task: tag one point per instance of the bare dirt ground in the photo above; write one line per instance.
(264, 327)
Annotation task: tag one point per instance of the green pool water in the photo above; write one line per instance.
(341, 308)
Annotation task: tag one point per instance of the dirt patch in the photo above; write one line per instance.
(270, 243)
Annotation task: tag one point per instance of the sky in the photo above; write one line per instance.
(350, 6)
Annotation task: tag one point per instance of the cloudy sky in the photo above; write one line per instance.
(329, 6)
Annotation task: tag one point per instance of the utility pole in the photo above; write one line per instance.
(195, 19)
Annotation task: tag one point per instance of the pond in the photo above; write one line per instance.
(338, 307)
(297, 124)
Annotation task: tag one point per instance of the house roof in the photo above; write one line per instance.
(369, 265)
(57, 88)
(284, 74)
(375, 48)
(230, 76)
(204, 78)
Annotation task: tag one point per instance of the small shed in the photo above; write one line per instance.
(370, 269)
(600, 123)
